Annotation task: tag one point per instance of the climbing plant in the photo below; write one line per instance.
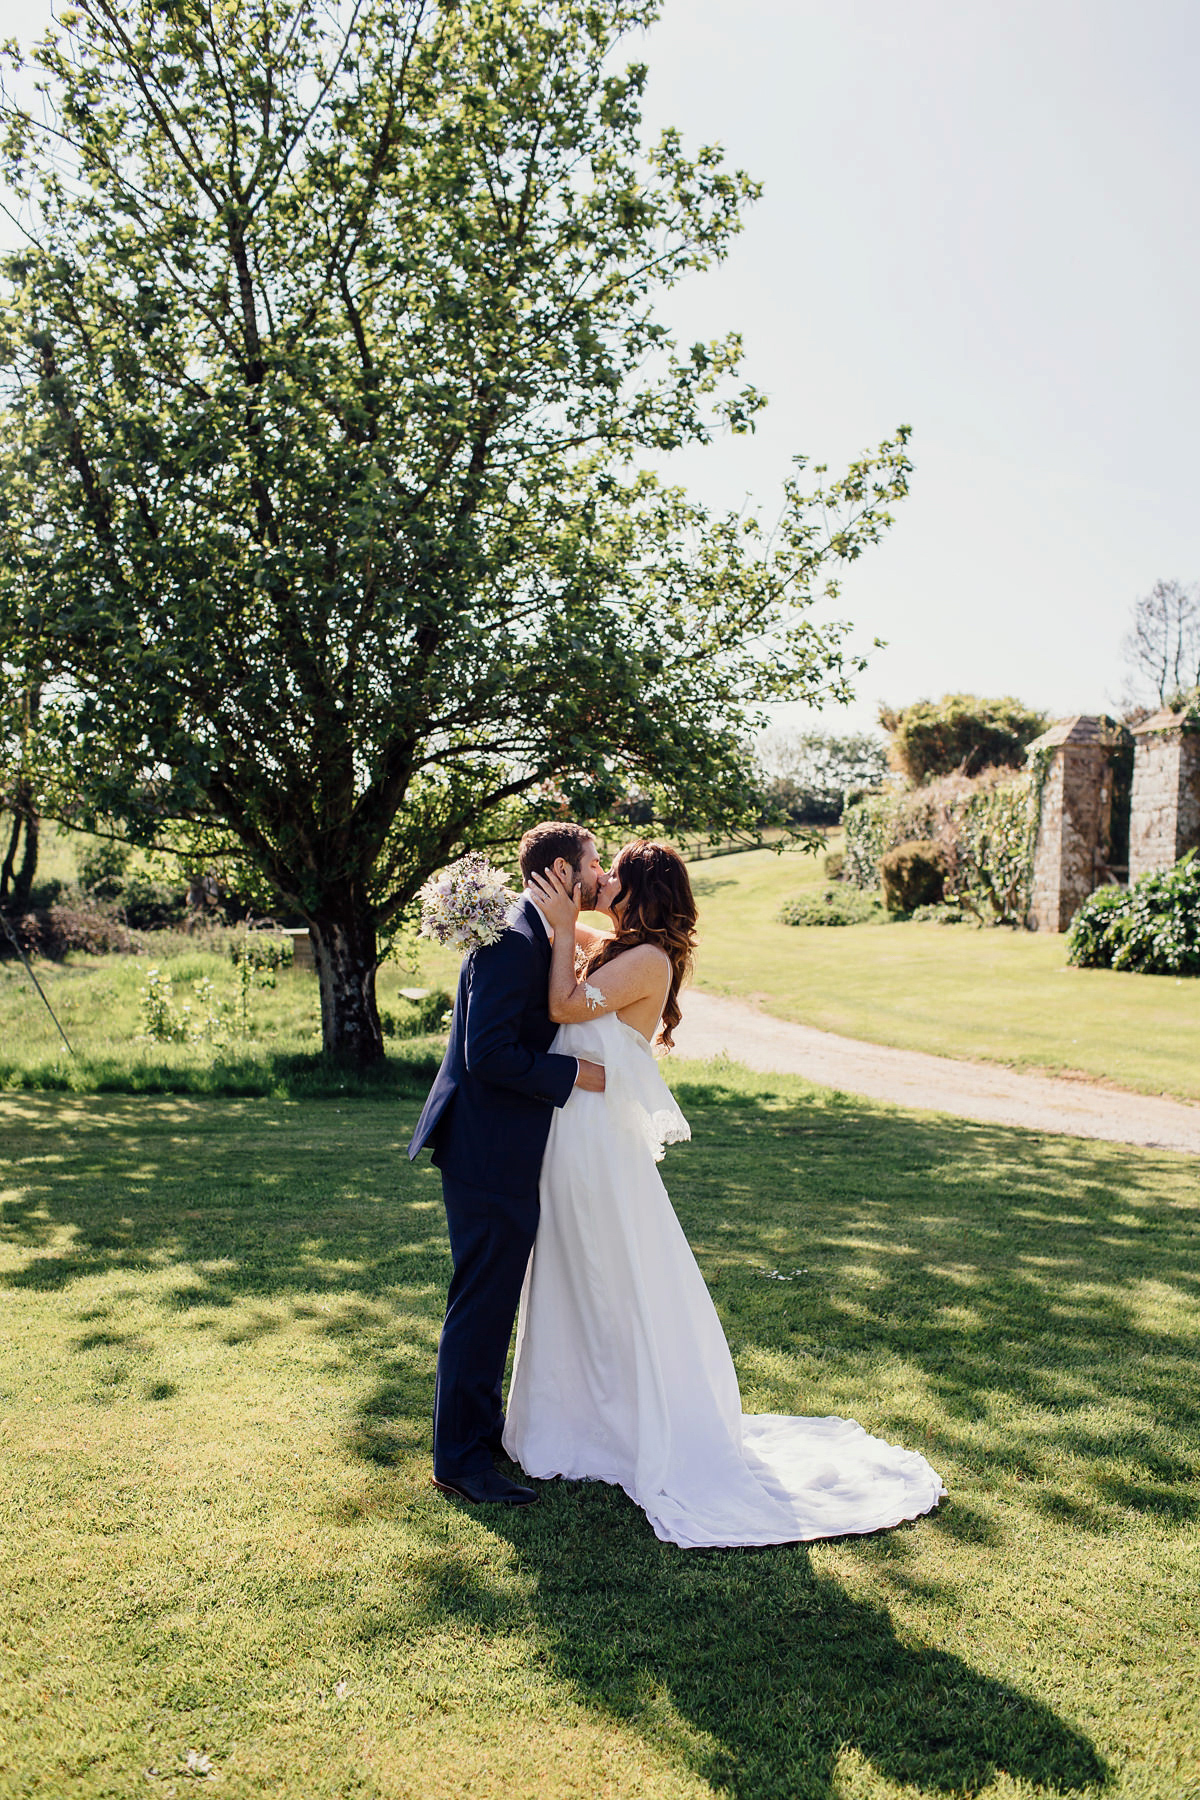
(987, 828)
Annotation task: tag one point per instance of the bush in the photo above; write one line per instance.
(835, 862)
(1151, 928)
(1088, 945)
(143, 900)
(938, 915)
(150, 905)
(48, 893)
(265, 952)
(835, 906)
(914, 874)
(54, 930)
(102, 863)
(960, 733)
(418, 1017)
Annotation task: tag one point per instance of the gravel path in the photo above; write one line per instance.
(971, 1090)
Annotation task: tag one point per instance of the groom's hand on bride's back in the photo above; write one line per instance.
(590, 1077)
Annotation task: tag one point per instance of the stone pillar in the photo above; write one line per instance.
(1075, 832)
(1165, 815)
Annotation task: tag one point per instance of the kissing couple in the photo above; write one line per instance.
(547, 1120)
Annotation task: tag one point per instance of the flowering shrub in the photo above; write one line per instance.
(161, 1020)
(204, 1019)
(1151, 928)
(467, 905)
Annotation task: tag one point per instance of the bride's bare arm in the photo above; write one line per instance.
(587, 937)
(642, 973)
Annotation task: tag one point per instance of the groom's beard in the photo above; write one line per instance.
(588, 895)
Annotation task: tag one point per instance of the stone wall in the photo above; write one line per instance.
(1165, 809)
(1075, 831)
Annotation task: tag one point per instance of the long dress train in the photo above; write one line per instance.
(622, 1372)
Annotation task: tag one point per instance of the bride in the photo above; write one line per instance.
(622, 1372)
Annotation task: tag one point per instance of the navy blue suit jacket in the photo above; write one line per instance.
(488, 1113)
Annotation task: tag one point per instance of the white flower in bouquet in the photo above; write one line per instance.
(467, 905)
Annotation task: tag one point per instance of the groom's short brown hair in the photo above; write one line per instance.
(542, 846)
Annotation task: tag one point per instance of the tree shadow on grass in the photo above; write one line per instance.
(1000, 1266)
(1010, 1269)
(998, 1269)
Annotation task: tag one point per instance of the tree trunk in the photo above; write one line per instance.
(15, 888)
(344, 946)
(23, 885)
(6, 868)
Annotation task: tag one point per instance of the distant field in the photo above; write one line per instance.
(1001, 995)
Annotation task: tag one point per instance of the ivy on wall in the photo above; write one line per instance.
(986, 826)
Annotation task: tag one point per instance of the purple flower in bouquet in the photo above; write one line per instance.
(466, 905)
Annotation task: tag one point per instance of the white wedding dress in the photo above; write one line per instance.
(622, 1372)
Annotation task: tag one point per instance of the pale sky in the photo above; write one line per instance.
(978, 219)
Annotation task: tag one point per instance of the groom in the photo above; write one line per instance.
(487, 1118)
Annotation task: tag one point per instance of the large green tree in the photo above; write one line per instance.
(336, 387)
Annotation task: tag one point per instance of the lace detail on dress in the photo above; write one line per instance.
(594, 997)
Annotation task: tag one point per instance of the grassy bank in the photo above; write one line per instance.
(219, 1541)
(1005, 996)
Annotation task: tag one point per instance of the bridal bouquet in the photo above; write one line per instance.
(467, 905)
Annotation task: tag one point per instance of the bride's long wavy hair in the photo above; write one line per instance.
(659, 908)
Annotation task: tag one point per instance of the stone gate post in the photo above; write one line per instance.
(1076, 829)
(1165, 817)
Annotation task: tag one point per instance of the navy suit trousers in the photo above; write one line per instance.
(491, 1236)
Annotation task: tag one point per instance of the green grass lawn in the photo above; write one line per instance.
(218, 1539)
(1001, 995)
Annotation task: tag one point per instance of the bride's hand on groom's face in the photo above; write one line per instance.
(557, 899)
